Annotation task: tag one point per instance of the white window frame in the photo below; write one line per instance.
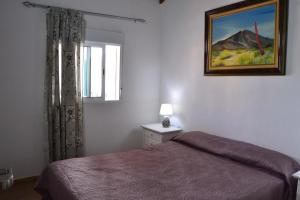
(102, 98)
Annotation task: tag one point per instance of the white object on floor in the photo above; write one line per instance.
(7, 179)
(297, 176)
(157, 134)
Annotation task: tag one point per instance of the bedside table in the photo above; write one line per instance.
(297, 176)
(157, 134)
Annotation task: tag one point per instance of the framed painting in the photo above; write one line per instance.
(247, 38)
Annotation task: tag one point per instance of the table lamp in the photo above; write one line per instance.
(166, 110)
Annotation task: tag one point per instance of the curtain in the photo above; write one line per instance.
(63, 83)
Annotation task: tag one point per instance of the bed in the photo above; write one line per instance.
(192, 166)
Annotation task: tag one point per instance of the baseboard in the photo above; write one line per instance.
(27, 179)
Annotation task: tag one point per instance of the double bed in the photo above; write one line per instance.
(193, 166)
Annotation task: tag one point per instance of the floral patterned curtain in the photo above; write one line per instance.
(63, 83)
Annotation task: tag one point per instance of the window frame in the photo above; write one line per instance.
(103, 46)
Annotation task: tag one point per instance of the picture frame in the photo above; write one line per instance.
(247, 38)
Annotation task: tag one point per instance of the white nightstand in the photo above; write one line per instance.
(157, 134)
(297, 176)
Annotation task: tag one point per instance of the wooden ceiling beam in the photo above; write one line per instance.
(161, 1)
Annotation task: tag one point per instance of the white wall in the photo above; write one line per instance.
(110, 127)
(22, 54)
(262, 110)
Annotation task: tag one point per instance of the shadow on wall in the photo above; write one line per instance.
(109, 144)
(132, 141)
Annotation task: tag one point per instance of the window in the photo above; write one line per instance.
(101, 71)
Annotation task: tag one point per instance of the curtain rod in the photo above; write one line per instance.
(35, 5)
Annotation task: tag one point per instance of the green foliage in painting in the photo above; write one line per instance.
(242, 57)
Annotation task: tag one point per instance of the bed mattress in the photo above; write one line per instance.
(192, 166)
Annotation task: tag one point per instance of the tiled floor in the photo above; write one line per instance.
(21, 191)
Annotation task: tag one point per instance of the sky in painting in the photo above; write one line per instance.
(224, 27)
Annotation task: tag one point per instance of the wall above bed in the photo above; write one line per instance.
(260, 110)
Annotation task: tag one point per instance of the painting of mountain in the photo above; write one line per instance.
(244, 38)
(243, 48)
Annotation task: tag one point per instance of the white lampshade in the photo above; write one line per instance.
(166, 109)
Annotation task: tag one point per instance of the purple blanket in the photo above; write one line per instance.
(192, 166)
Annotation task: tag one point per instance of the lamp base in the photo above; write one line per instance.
(166, 122)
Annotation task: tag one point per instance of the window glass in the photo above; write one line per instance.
(86, 71)
(101, 69)
(112, 72)
(96, 71)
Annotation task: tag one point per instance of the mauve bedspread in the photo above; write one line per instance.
(192, 166)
